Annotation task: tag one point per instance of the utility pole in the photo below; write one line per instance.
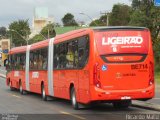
(106, 13)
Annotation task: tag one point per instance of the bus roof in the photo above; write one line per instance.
(18, 50)
(119, 27)
(40, 44)
(84, 31)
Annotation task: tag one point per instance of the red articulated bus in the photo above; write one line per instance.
(106, 64)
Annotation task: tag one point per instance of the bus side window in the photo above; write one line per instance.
(44, 53)
(12, 62)
(72, 54)
(22, 61)
(61, 56)
(83, 51)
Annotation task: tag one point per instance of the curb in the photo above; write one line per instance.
(146, 105)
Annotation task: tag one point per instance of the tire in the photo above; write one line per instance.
(10, 86)
(122, 104)
(43, 93)
(21, 88)
(73, 99)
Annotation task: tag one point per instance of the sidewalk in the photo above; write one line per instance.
(158, 88)
(146, 105)
(2, 75)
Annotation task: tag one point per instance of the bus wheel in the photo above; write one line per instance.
(10, 86)
(21, 88)
(44, 97)
(122, 104)
(73, 99)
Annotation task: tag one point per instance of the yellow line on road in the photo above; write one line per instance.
(16, 96)
(76, 116)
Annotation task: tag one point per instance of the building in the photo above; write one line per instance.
(41, 19)
(4, 49)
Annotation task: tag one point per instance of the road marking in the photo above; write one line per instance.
(3, 70)
(73, 115)
(16, 96)
(2, 75)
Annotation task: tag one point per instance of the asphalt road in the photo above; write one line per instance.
(156, 99)
(31, 107)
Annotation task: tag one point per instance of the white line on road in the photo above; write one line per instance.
(2, 75)
(16, 96)
(3, 70)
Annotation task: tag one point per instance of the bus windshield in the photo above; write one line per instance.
(122, 41)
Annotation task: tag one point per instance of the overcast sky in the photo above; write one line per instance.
(11, 10)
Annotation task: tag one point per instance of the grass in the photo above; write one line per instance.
(61, 30)
(157, 77)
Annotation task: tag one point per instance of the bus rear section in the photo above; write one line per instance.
(124, 67)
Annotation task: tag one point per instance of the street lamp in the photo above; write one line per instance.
(89, 18)
(43, 36)
(20, 35)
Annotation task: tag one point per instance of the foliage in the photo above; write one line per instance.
(102, 21)
(96, 22)
(120, 15)
(19, 31)
(47, 32)
(147, 15)
(68, 20)
(35, 39)
(157, 77)
(3, 32)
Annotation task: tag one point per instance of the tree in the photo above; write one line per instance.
(135, 4)
(47, 32)
(68, 20)
(102, 21)
(19, 31)
(3, 32)
(120, 15)
(147, 15)
(96, 22)
(36, 38)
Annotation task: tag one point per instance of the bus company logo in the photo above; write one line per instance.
(35, 74)
(122, 40)
(118, 75)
